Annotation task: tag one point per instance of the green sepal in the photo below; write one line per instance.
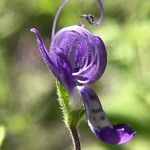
(71, 117)
(76, 116)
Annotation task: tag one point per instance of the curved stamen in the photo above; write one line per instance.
(56, 17)
(83, 82)
(90, 18)
(95, 63)
(86, 66)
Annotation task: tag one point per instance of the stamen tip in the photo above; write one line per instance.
(83, 16)
(34, 30)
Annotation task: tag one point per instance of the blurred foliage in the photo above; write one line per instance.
(29, 110)
(2, 134)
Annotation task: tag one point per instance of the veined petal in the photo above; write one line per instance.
(119, 134)
(42, 48)
(64, 69)
(95, 114)
(85, 52)
(99, 122)
(56, 62)
(102, 56)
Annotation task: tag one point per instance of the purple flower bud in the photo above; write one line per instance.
(85, 52)
(76, 56)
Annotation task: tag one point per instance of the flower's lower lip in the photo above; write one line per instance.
(116, 135)
(100, 124)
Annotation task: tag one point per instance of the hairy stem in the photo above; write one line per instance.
(75, 138)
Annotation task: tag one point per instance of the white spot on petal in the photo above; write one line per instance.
(76, 99)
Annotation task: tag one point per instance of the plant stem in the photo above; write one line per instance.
(75, 138)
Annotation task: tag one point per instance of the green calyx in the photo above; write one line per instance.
(71, 117)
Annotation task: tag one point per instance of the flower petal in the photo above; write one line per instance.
(99, 122)
(64, 70)
(97, 118)
(119, 134)
(85, 52)
(42, 48)
(56, 62)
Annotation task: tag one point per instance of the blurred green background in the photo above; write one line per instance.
(30, 118)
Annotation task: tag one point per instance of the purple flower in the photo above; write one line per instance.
(78, 58)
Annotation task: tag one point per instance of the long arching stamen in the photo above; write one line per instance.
(56, 17)
(90, 18)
